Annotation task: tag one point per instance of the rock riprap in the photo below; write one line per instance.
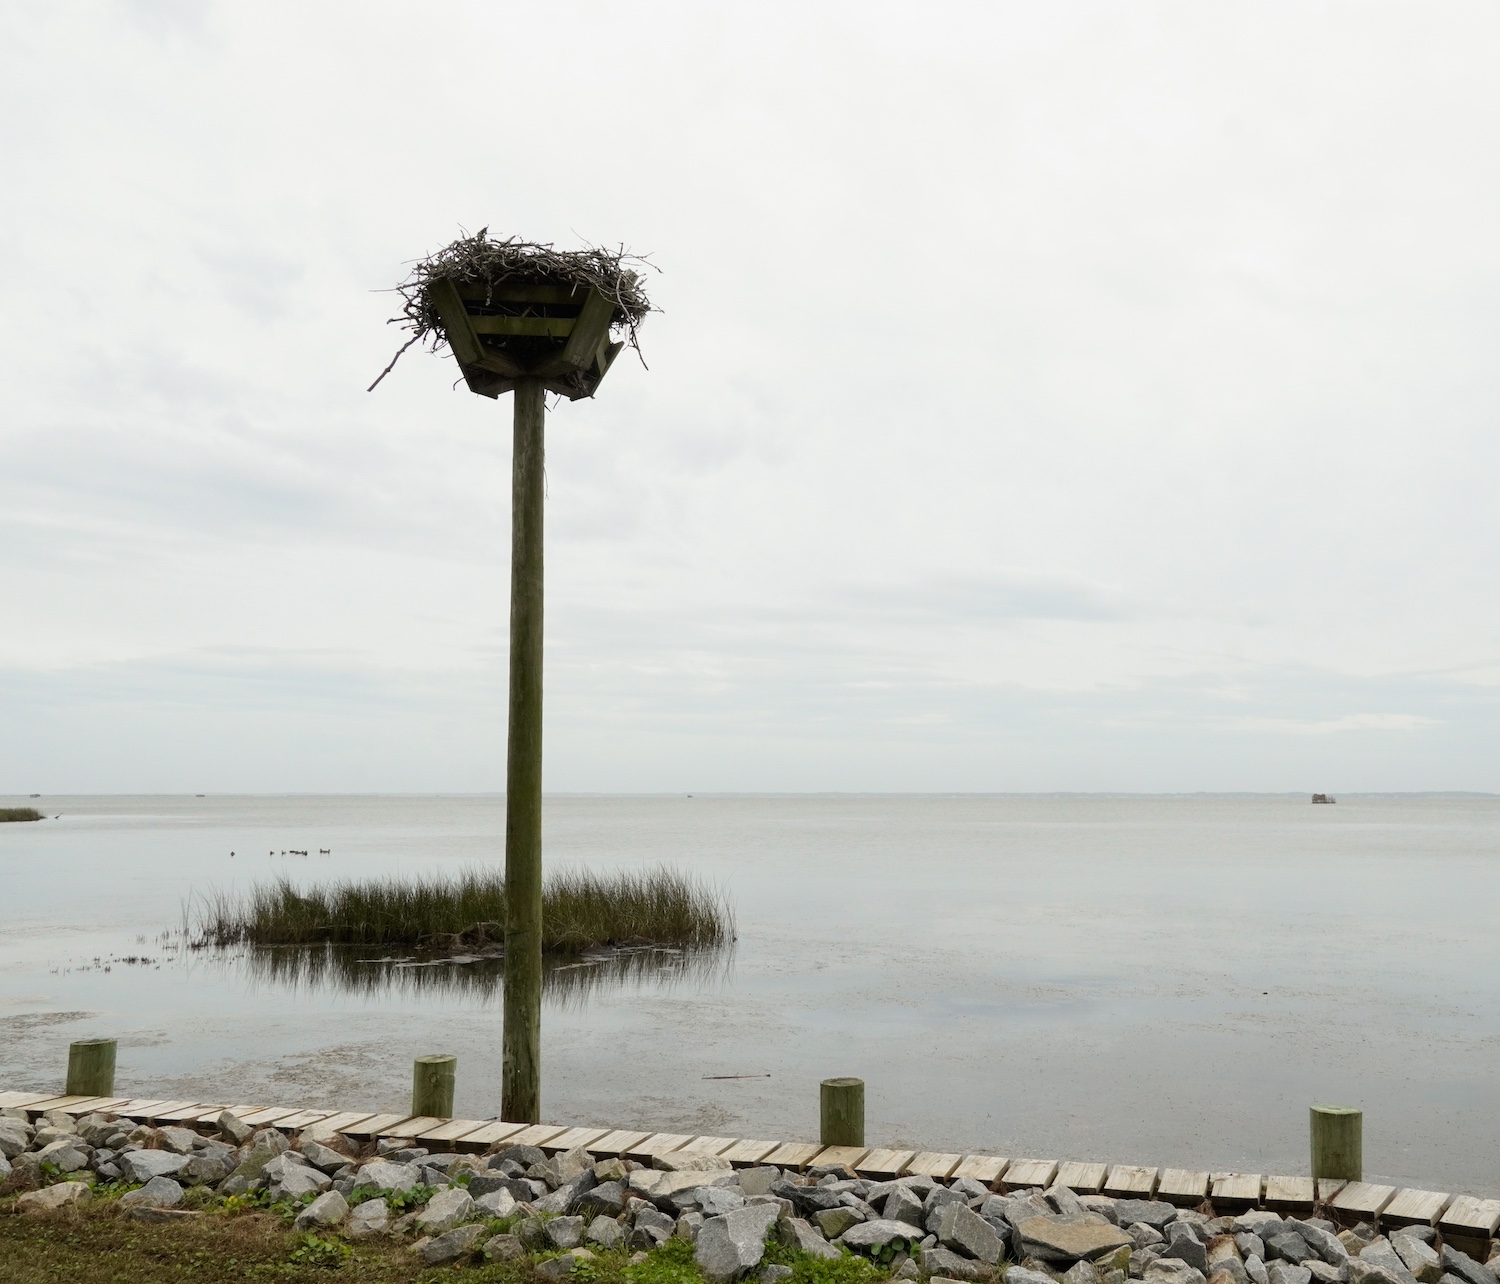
(459, 1208)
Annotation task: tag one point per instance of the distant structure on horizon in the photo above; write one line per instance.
(1323, 798)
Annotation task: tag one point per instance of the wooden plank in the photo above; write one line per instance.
(372, 1126)
(1083, 1178)
(303, 1119)
(527, 327)
(707, 1146)
(268, 1116)
(95, 1105)
(840, 1156)
(54, 1103)
(20, 1100)
(343, 1122)
(406, 1129)
(1030, 1172)
(1289, 1194)
(660, 1143)
(793, 1154)
(138, 1107)
(455, 318)
(1130, 1181)
(749, 1153)
(1415, 1208)
(618, 1143)
(885, 1163)
(536, 1135)
(981, 1168)
(931, 1163)
(207, 1115)
(493, 1133)
(1468, 1215)
(573, 1138)
(1361, 1201)
(590, 333)
(152, 1112)
(1237, 1191)
(452, 1131)
(1182, 1186)
(187, 1114)
(519, 292)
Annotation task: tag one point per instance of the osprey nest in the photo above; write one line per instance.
(512, 309)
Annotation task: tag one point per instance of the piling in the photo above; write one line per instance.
(91, 1068)
(842, 1112)
(432, 1086)
(1338, 1148)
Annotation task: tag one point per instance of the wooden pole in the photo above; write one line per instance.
(432, 1086)
(842, 1103)
(1338, 1144)
(521, 1070)
(91, 1068)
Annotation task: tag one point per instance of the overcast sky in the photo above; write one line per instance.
(1046, 396)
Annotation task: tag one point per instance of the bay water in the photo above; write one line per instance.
(1141, 979)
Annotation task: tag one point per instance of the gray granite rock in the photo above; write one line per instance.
(565, 1232)
(1362, 1271)
(1067, 1239)
(1381, 1254)
(873, 1236)
(301, 1180)
(943, 1263)
(495, 1203)
(1287, 1246)
(445, 1210)
(1424, 1264)
(1153, 1212)
(159, 1192)
(967, 1233)
(1172, 1270)
(381, 1174)
(715, 1201)
(730, 1245)
(1322, 1241)
(1465, 1267)
(369, 1218)
(63, 1195)
(1284, 1272)
(504, 1248)
(1255, 1268)
(452, 1245)
(796, 1233)
(833, 1222)
(1323, 1273)
(1021, 1275)
(143, 1165)
(902, 1205)
(605, 1232)
(328, 1209)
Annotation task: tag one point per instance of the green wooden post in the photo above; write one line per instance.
(1338, 1145)
(521, 1069)
(842, 1110)
(91, 1068)
(432, 1086)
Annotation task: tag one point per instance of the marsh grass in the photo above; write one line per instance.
(580, 910)
(19, 813)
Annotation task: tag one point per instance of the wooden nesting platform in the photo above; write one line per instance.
(1466, 1221)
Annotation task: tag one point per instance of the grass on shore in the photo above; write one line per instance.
(19, 813)
(97, 1244)
(467, 910)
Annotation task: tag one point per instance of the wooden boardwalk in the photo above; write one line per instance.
(1464, 1220)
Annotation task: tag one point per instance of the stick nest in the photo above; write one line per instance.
(483, 261)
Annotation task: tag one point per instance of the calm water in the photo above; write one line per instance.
(1144, 979)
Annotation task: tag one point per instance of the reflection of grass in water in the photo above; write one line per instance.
(567, 982)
